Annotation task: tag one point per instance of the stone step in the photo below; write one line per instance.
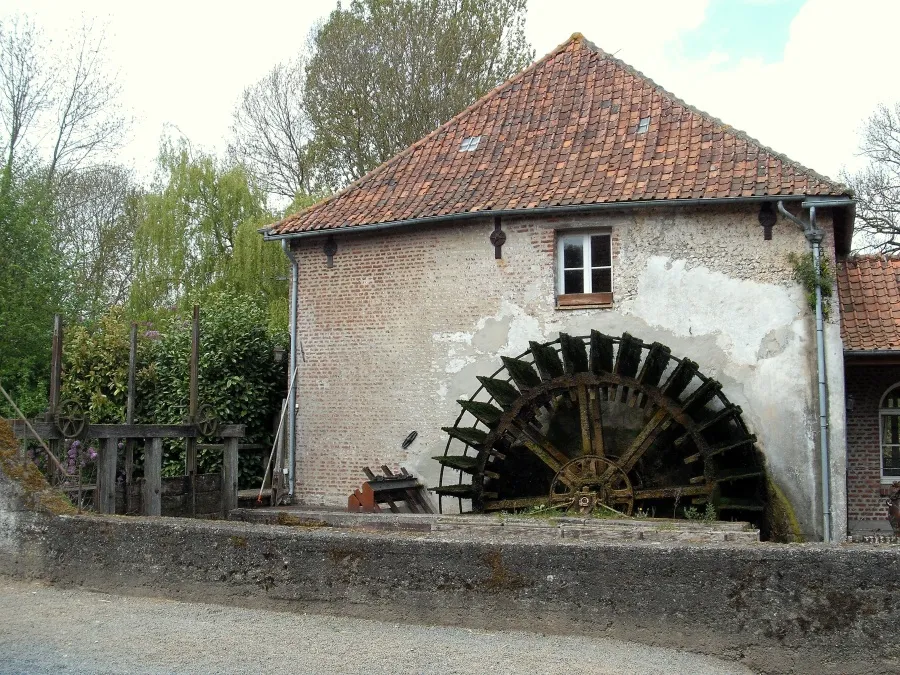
(540, 528)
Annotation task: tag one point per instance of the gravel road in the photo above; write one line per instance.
(45, 629)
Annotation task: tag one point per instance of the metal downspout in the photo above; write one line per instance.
(292, 360)
(814, 235)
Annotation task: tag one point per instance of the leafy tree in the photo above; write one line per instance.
(58, 112)
(95, 368)
(383, 73)
(877, 186)
(197, 237)
(29, 292)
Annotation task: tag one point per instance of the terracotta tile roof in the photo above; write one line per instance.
(565, 132)
(869, 294)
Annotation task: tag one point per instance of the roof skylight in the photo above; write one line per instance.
(643, 125)
(470, 144)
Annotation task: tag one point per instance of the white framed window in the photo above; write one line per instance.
(584, 268)
(889, 431)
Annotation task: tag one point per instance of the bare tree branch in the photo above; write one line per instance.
(877, 185)
(271, 131)
(25, 89)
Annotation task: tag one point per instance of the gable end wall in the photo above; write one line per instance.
(398, 329)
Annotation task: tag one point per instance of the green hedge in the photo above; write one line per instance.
(239, 376)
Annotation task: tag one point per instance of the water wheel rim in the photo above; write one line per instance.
(672, 412)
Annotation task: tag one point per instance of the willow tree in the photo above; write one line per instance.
(197, 237)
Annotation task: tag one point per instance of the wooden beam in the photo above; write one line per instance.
(153, 477)
(48, 431)
(129, 413)
(106, 476)
(55, 367)
(190, 455)
(229, 476)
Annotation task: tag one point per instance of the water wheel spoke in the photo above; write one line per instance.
(584, 414)
(657, 424)
(540, 445)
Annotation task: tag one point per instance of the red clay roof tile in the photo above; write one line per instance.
(869, 295)
(563, 132)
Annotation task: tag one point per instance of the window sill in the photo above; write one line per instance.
(584, 301)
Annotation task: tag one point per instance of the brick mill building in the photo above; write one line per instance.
(595, 269)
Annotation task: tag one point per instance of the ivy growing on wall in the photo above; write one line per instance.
(804, 273)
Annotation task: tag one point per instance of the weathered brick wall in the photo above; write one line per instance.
(865, 493)
(405, 320)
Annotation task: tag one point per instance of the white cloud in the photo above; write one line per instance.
(840, 61)
(185, 63)
(636, 31)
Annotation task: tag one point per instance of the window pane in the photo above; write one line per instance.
(891, 461)
(573, 255)
(601, 281)
(600, 251)
(573, 281)
(890, 429)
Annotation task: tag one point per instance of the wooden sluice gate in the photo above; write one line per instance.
(66, 422)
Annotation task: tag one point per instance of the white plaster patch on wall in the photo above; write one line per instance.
(741, 313)
(523, 327)
(454, 365)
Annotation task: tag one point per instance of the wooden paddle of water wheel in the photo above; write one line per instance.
(601, 423)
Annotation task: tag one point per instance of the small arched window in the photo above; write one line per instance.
(890, 435)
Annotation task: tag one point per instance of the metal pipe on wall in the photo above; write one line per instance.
(292, 360)
(814, 236)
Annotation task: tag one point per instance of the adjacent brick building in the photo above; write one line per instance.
(578, 196)
(869, 295)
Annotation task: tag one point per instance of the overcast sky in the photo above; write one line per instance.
(801, 76)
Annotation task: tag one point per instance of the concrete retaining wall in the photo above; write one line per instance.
(775, 608)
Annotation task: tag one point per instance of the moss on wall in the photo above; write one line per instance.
(780, 521)
(36, 493)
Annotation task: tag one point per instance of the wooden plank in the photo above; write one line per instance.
(48, 431)
(584, 299)
(129, 414)
(229, 476)
(152, 477)
(510, 504)
(672, 492)
(190, 454)
(55, 367)
(106, 476)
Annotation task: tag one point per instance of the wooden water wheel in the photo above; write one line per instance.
(601, 422)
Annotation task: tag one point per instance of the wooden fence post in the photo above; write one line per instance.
(152, 476)
(229, 476)
(129, 417)
(106, 476)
